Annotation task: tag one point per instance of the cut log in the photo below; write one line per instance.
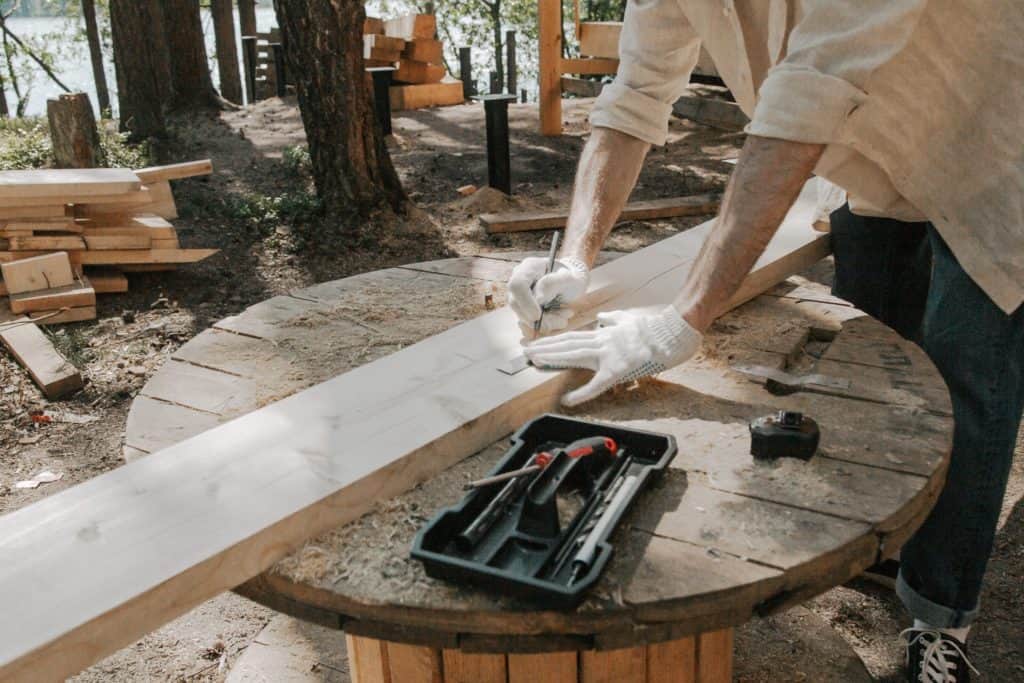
(58, 184)
(517, 221)
(411, 26)
(418, 72)
(188, 169)
(48, 369)
(441, 94)
(136, 570)
(74, 295)
(600, 39)
(39, 272)
(73, 132)
(423, 50)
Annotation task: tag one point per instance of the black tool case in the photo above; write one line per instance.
(528, 549)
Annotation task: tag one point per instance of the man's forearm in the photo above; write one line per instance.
(766, 182)
(608, 169)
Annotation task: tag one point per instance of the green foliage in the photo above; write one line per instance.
(72, 343)
(24, 143)
(296, 159)
(119, 153)
(262, 213)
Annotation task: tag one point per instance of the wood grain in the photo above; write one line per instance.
(37, 272)
(463, 667)
(628, 665)
(554, 667)
(49, 370)
(697, 205)
(414, 664)
(674, 661)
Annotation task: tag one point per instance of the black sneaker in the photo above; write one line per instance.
(936, 657)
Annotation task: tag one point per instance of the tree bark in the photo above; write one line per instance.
(323, 50)
(191, 85)
(5, 112)
(227, 50)
(142, 64)
(76, 141)
(247, 17)
(495, 7)
(92, 33)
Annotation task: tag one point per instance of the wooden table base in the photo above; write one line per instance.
(706, 658)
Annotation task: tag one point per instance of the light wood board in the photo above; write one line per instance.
(48, 369)
(516, 221)
(57, 184)
(188, 169)
(37, 272)
(276, 477)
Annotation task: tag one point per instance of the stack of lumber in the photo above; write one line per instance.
(409, 44)
(266, 69)
(101, 217)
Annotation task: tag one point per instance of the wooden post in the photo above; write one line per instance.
(549, 40)
(466, 73)
(499, 164)
(247, 17)
(510, 61)
(280, 73)
(249, 58)
(382, 95)
(99, 76)
(76, 142)
(227, 50)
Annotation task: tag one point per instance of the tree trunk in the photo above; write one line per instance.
(76, 141)
(142, 64)
(4, 111)
(496, 26)
(323, 50)
(227, 50)
(191, 85)
(247, 17)
(96, 53)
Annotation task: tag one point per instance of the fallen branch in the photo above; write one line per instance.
(25, 48)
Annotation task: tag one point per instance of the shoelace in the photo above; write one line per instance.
(938, 661)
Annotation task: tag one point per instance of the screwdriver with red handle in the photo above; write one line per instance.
(577, 449)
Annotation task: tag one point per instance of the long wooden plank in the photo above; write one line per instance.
(589, 66)
(115, 257)
(57, 183)
(48, 369)
(445, 93)
(600, 38)
(125, 201)
(188, 169)
(55, 242)
(423, 408)
(516, 221)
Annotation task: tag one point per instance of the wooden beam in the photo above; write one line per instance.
(600, 39)
(589, 66)
(74, 295)
(188, 169)
(116, 257)
(48, 369)
(107, 280)
(518, 221)
(47, 243)
(411, 26)
(37, 272)
(54, 184)
(549, 43)
(137, 568)
(426, 95)
(418, 72)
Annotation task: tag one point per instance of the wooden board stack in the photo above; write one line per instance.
(409, 44)
(100, 217)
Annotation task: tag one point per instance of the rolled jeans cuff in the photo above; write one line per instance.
(932, 613)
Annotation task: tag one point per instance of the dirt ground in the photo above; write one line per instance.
(258, 209)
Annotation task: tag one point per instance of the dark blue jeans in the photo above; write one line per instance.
(906, 276)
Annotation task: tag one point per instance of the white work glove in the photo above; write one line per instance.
(529, 289)
(626, 346)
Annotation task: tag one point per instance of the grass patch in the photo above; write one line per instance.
(25, 144)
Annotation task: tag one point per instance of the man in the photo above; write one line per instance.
(912, 107)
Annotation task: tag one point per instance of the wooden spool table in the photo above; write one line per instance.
(722, 538)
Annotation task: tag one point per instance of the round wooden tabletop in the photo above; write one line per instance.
(721, 537)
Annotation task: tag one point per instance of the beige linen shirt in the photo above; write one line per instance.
(920, 104)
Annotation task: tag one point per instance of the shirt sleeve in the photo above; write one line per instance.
(657, 51)
(832, 51)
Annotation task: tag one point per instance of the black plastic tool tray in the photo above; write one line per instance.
(512, 561)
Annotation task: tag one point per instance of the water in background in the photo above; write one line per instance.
(74, 67)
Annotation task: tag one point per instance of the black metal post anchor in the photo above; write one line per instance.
(280, 74)
(499, 163)
(249, 60)
(382, 95)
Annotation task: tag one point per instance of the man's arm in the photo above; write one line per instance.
(608, 170)
(763, 187)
